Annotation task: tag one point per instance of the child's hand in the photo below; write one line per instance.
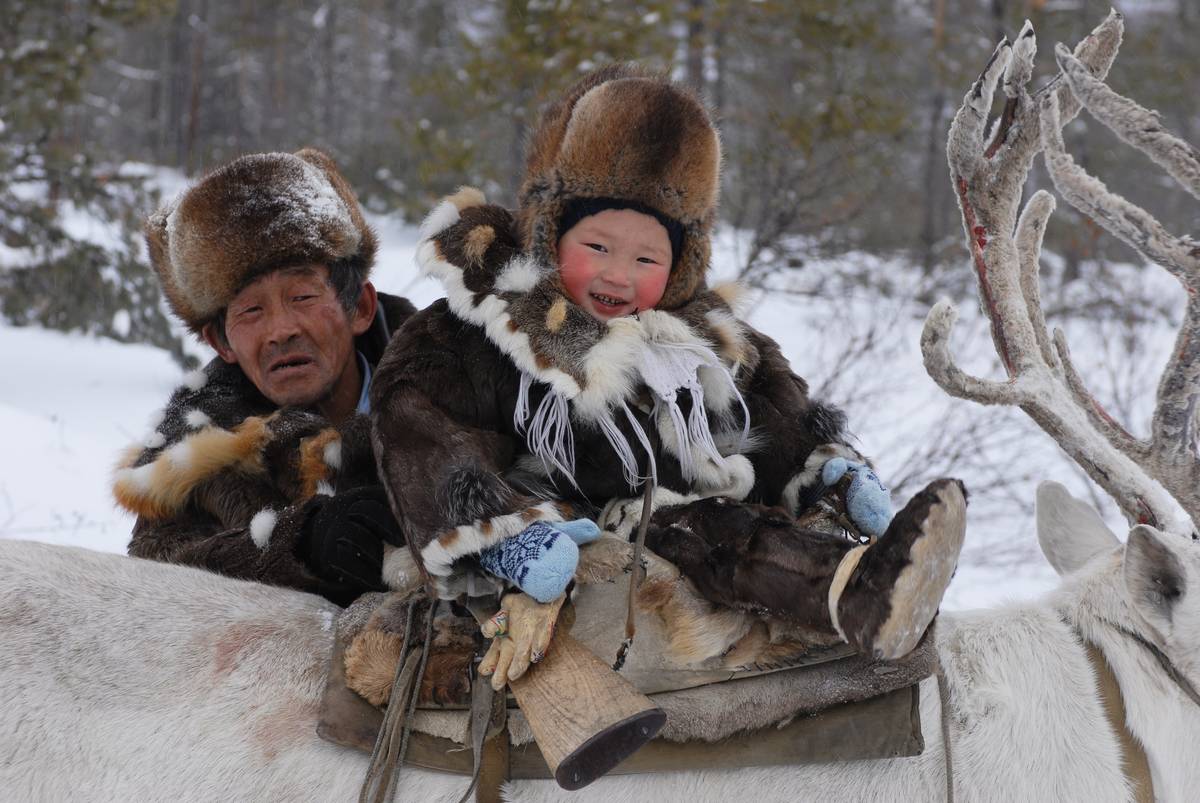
(540, 560)
(868, 503)
(520, 632)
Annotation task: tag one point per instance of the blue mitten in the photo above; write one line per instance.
(582, 531)
(868, 502)
(540, 560)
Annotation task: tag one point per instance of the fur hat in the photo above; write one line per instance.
(628, 134)
(254, 215)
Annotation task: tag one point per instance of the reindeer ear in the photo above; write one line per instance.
(1154, 575)
(1071, 532)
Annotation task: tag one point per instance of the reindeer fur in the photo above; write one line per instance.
(125, 679)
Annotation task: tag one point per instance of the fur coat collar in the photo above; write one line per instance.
(594, 369)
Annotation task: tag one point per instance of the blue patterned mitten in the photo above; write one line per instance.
(868, 502)
(540, 560)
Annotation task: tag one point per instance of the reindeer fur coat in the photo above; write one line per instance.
(222, 480)
(506, 402)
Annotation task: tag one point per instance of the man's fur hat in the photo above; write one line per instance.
(256, 214)
(627, 134)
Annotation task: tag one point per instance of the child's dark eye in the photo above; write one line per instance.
(597, 247)
(648, 260)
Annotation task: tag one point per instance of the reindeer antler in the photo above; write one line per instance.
(1006, 251)
(1170, 454)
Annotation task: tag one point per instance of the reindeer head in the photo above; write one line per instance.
(1160, 573)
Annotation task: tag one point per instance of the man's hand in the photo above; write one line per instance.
(868, 502)
(520, 632)
(343, 537)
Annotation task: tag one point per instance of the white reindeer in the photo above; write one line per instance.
(122, 679)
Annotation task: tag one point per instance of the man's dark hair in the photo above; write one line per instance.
(346, 279)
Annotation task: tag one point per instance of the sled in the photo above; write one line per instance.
(826, 705)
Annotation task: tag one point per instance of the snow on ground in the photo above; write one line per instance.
(70, 404)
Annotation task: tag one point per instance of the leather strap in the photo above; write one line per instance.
(1133, 758)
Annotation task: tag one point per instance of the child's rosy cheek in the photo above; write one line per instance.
(576, 273)
(651, 288)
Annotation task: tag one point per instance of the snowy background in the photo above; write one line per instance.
(70, 403)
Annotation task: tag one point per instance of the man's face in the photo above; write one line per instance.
(290, 335)
(615, 262)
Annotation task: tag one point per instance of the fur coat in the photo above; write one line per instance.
(455, 451)
(221, 481)
(507, 402)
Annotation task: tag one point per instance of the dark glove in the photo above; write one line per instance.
(343, 536)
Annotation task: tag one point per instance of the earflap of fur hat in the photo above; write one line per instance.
(625, 133)
(254, 215)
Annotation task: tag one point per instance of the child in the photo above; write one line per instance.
(579, 351)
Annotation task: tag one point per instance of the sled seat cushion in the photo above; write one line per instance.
(846, 709)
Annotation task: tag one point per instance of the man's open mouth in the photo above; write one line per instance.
(285, 363)
(608, 301)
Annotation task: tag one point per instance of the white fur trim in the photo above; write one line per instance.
(179, 455)
(400, 571)
(611, 368)
(622, 516)
(154, 440)
(520, 275)
(734, 479)
(139, 478)
(470, 539)
(443, 216)
(262, 526)
(197, 419)
(324, 489)
(195, 380)
(332, 454)
(810, 474)
(492, 315)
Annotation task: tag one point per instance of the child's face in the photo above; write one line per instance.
(615, 262)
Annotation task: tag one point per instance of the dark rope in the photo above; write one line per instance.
(383, 738)
(635, 579)
(387, 757)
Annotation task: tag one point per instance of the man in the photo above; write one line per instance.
(261, 465)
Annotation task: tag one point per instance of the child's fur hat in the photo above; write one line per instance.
(625, 133)
(254, 215)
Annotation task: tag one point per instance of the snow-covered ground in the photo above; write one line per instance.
(70, 404)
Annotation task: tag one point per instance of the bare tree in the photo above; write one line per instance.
(1155, 480)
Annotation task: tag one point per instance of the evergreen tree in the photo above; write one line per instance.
(57, 273)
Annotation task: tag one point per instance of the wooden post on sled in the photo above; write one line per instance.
(585, 717)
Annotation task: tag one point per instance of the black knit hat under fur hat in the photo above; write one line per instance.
(579, 208)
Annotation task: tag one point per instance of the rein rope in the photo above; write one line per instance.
(1174, 674)
(387, 758)
(639, 545)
